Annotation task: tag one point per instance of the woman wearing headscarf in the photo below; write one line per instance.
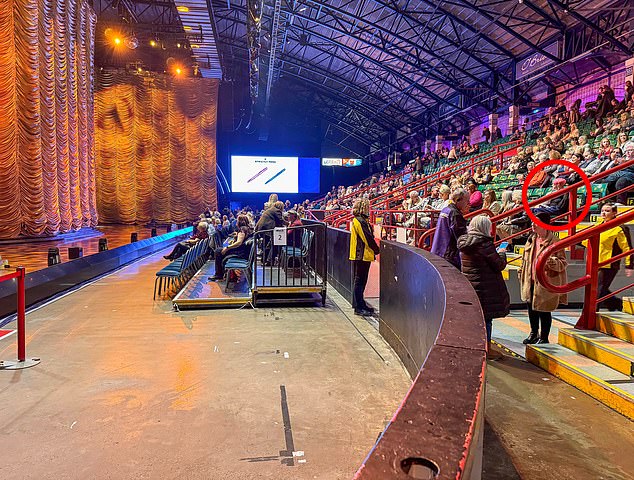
(363, 249)
(483, 266)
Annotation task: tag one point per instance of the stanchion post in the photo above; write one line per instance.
(22, 362)
(21, 316)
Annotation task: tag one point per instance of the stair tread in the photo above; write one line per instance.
(616, 345)
(588, 367)
(621, 317)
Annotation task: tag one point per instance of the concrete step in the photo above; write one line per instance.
(608, 386)
(602, 348)
(617, 324)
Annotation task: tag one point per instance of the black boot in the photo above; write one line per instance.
(532, 338)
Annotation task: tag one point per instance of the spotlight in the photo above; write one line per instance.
(187, 28)
(140, 70)
(152, 43)
(195, 46)
(178, 71)
(117, 41)
(178, 45)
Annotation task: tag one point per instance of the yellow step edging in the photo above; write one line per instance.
(615, 327)
(607, 394)
(610, 357)
(628, 305)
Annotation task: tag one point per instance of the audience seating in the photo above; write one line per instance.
(181, 269)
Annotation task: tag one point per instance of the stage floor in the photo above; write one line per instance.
(32, 254)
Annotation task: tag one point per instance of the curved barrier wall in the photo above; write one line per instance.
(431, 316)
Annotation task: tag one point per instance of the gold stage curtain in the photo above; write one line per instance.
(155, 147)
(46, 131)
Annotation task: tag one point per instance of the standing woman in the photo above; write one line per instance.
(483, 265)
(363, 250)
(612, 242)
(540, 301)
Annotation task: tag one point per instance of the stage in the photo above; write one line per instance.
(31, 253)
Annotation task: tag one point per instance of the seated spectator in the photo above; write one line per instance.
(237, 248)
(516, 222)
(181, 247)
(621, 178)
(555, 206)
(444, 192)
(294, 236)
(491, 202)
(475, 196)
(621, 140)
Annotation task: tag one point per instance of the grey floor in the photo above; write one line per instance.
(127, 388)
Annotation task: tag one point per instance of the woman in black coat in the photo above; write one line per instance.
(483, 265)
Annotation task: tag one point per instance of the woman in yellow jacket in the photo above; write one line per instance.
(363, 249)
(612, 242)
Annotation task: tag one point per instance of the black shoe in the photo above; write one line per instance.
(363, 313)
(532, 338)
(542, 340)
(368, 308)
(167, 257)
(214, 279)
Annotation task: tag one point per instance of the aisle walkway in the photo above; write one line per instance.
(129, 389)
(540, 428)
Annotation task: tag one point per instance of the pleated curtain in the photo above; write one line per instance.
(47, 181)
(155, 147)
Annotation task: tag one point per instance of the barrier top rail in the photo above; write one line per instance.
(590, 279)
(570, 189)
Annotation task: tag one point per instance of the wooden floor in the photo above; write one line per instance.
(33, 254)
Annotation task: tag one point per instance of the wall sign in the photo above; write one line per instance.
(537, 61)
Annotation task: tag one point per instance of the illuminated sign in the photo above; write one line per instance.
(536, 61)
(331, 162)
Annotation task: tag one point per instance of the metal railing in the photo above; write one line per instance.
(19, 276)
(572, 214)
(339, 217)
(290, 259)
(590, 280)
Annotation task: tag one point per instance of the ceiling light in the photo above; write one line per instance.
(178, 71)
(117, 41)
(178, 45)
(187, 28)
(183, 9)
(195, 46)
(153, 43)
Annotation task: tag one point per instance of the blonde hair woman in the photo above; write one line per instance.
(363, 249)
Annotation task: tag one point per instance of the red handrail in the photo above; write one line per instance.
(343, 215)
(590, 279)
(19, 275)
(571, 189)
(444, 172)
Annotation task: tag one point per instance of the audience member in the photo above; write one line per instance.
(451, 225)
(363, 249)
(483, 267)
(539, 300)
